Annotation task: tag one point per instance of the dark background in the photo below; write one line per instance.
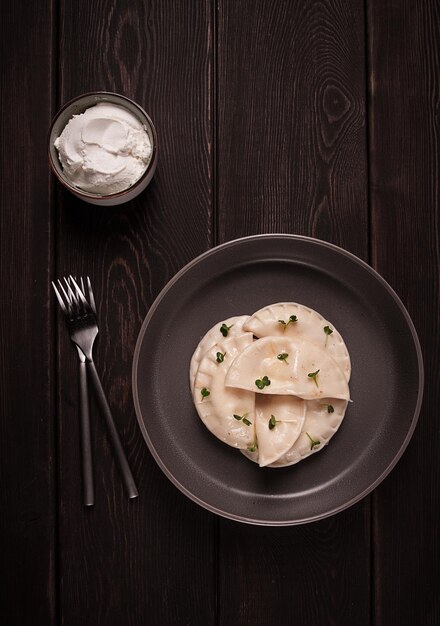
(315, 117)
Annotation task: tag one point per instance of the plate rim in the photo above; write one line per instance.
(238, 241)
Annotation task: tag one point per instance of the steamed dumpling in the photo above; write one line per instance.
(217, 404)
(283, 366)
(319, 427)
(235, 325)
(279, 420)
(268, 322)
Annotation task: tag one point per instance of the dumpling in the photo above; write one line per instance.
(228, 413)
(323, 418)
(279, 420)
(319, 427)
(235, 329)
(276, 320)
(283, 366)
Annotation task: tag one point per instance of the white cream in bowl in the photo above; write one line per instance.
(104, 150)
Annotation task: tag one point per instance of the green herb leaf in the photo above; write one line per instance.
(313, 442)
(262, 382)
(224, 329)
(272, 422)
(330, 408)
(253, 447)
(328, 331)
(205, 393)
(220, 357)
(292, 319)
(243, 418)
(313, 376)
(283, 357)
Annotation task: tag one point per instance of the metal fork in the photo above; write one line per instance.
(86, 446)
(83, 328)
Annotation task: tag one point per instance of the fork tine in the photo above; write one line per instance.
(60, 299)
(79, 293)
(77, 307)
(91, 299)
(82, 302)
(67, 298)
(74, 304)
(68, 295)
(72, 298)
(91, 296)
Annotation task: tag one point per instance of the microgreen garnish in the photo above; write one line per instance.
(224, 329)
(313, 376)
(283, 357)
(220, 357)
(328, 331)
(253, 447)
(262, 382)
(205, 393)
(330, 408)
(313, 442)
(273, 422)
(243, 418)
(292, 319)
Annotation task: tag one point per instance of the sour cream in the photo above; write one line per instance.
(104, 150)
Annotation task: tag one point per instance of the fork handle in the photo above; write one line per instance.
(124, 468)
(86, 448)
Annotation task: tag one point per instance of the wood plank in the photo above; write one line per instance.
(292, 158)
(27, 473)
(314, 574)
(151, 560)
(405, 179)
(291, 148)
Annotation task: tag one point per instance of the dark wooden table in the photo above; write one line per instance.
(316, 118)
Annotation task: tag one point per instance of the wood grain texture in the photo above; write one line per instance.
(291, 113)
(405, 179)
(291, 145)
(316, 574)
(260, 108)
(27, 476)
(150, 560)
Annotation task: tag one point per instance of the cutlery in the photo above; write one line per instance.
(81, 320)
(86, 447)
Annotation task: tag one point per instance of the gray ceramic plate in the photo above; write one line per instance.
(240, 277)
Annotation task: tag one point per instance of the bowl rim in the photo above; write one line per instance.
(86, 194)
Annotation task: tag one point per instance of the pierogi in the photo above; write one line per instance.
(319, 427)
(293, 367)
(232, 327)
(279, 420)
(276, 320)
(217, 404)
(274, 384)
